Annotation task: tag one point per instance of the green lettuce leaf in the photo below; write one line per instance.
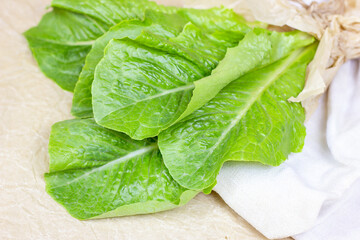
(259, 48)
(65, 35)
(97, 173)
(213, 87)
(142, 90)
(61, 42)
(157, 28)
(160, 24)
(111, 12)
(251, 119)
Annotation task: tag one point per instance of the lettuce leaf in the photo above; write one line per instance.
(211, 86)
(251, 119)
(160, 24)
(61, 42)
(97, 173)
(65, 35)
(142, 90)
(111, 12)
(157, 30)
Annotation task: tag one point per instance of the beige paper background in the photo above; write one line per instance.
(29, 104)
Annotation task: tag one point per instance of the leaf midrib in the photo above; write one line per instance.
(271, 79)
(164, 93)
(125, 158)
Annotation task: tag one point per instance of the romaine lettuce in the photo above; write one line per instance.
(211, 86)
(97, 173)
(65, 35)
(251, 119)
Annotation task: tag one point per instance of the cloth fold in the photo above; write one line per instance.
(342, 222)
(304, 191)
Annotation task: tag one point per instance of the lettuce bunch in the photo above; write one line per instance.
(163, 96)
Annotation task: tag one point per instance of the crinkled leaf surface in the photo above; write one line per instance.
(111, 12)
(142, 77)
(61, 42)
(65, 36)
(141, 90)
(96, 173)
(251, 119)
(159, 24)
(259, 48)
(157, 29)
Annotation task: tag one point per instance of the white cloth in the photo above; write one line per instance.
(306, 191)
(343, 223)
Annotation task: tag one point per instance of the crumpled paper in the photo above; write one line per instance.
(336, 23)
(29, 104)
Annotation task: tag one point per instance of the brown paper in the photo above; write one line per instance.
(29, 104)
(336, 23)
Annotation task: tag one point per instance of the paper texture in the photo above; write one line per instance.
(29, 104)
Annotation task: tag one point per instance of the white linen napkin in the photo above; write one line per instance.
(307, 189)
